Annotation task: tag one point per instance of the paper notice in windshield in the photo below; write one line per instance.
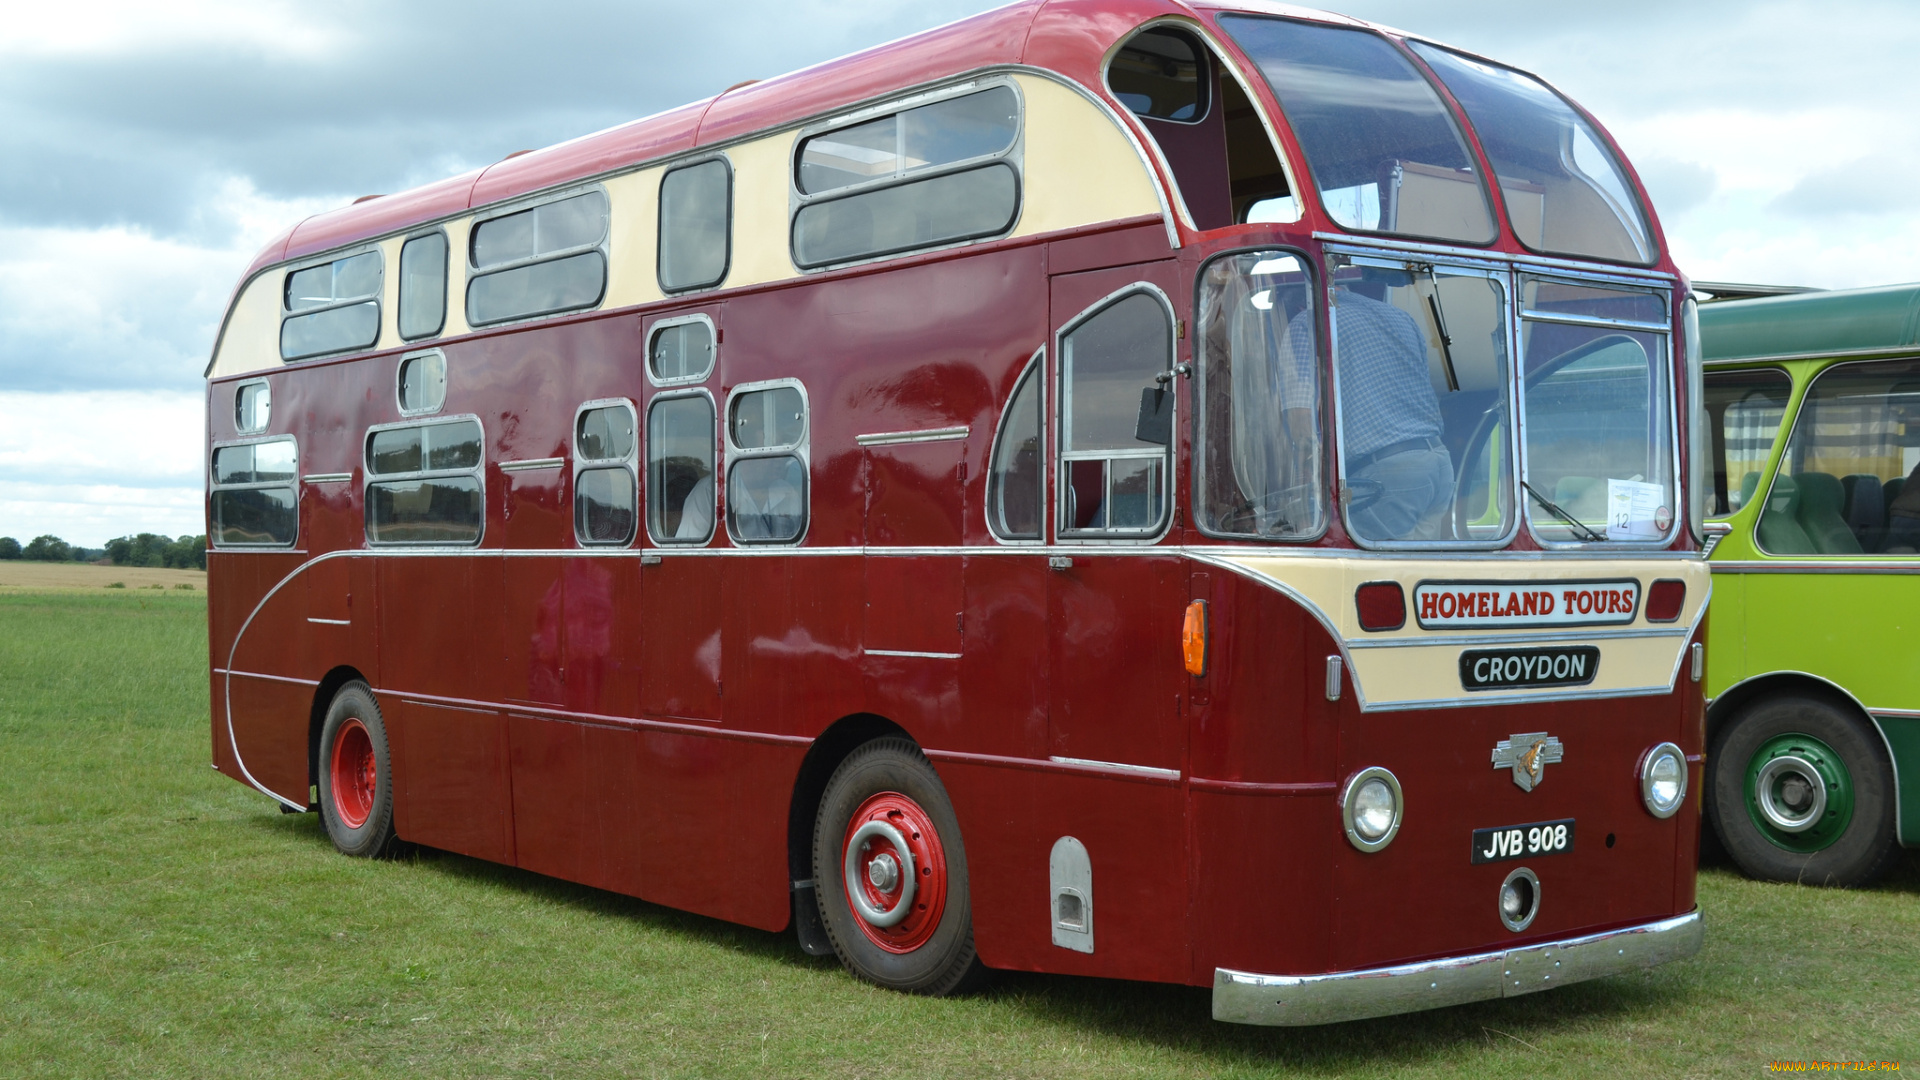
(1637, 511)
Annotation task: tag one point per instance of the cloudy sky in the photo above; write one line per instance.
(147, 151)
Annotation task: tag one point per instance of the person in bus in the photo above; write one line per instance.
(1903, 517)
(1399, 472)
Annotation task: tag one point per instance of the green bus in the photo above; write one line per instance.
(1812, 403)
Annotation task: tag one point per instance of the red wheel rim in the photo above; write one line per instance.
(353, 775)
(883, 887)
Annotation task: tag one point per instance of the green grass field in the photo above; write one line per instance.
(160, 920)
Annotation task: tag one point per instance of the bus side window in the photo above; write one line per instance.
(331, 308)
(1013, 484)
(680, 350)
(424, 483)
(253, 502)
(1849, 479)
(606, 489)
(696, 206)
(1257, 436)
(934, 174)
(539, 261)
(680, 496)
(767, 469)
(1113, 481)
(423, 286)
(1206, 127)
(1744, 411)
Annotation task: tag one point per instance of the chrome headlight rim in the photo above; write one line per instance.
(1647, 798)
(1351, 789)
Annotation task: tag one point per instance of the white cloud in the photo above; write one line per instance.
(90, 466)
(118, 307)
(119, 26)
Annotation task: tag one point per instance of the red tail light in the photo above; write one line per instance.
(1665, 599)
(1382, 604)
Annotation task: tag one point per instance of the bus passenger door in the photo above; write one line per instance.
(1115, 602)
(680, 638)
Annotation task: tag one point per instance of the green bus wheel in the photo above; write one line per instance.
(1802, 790)
(1799, 793)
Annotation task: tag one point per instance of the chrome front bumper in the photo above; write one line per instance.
(1241, 997)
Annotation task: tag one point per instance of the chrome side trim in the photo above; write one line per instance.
(1776, 566)
(1241, 997)
(884, 438)
(902, 652)
(531, 464)
(1115, 766)
(327, 478)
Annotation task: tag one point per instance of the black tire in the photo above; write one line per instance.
(1844, 850)
(342, 805)
(946, 962)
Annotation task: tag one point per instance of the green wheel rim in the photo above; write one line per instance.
(1799, 793)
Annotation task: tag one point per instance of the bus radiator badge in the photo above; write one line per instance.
(1528, 755)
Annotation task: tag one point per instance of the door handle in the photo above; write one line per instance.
(1059, 562)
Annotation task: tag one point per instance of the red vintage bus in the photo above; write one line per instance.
(1119, 487)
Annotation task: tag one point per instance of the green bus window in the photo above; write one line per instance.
(1849, 479)
(1744, 411)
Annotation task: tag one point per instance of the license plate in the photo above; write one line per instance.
(1523, 841)
(1506, 669)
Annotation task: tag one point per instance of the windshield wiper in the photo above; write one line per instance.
(1554, 509)
(1440, 327)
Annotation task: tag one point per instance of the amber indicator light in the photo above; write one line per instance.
(1193, 638)
(1382, 604)
(1665, 599)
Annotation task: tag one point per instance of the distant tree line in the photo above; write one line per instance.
(146, 549)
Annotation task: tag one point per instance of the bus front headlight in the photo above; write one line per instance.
(1370, 808)
(1663, 780)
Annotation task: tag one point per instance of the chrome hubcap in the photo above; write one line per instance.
(884, 873)
(1790, 793)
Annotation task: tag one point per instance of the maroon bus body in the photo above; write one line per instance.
(664, 729)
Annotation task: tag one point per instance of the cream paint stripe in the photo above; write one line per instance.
(1403, 669)
(1080, 167)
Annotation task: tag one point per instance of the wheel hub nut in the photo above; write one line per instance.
(883, 873)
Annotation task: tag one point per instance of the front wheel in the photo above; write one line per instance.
(1803, 792)
(890, 873)
(356, 775)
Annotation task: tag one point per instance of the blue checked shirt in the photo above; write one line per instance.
(1386, 393)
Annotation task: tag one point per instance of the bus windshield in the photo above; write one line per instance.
(1599, 450)
(1564, 191)
(1384, 151)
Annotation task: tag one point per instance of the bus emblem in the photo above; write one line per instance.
(1528, 756)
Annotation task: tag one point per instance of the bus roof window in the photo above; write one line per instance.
(958, 128)
(1382, 147)
(1158, 74)
(1564, 190)
(1206, 127)
(333, 307)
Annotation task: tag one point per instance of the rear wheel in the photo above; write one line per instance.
(1803, 791)
(356, 775)
(890, 873)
